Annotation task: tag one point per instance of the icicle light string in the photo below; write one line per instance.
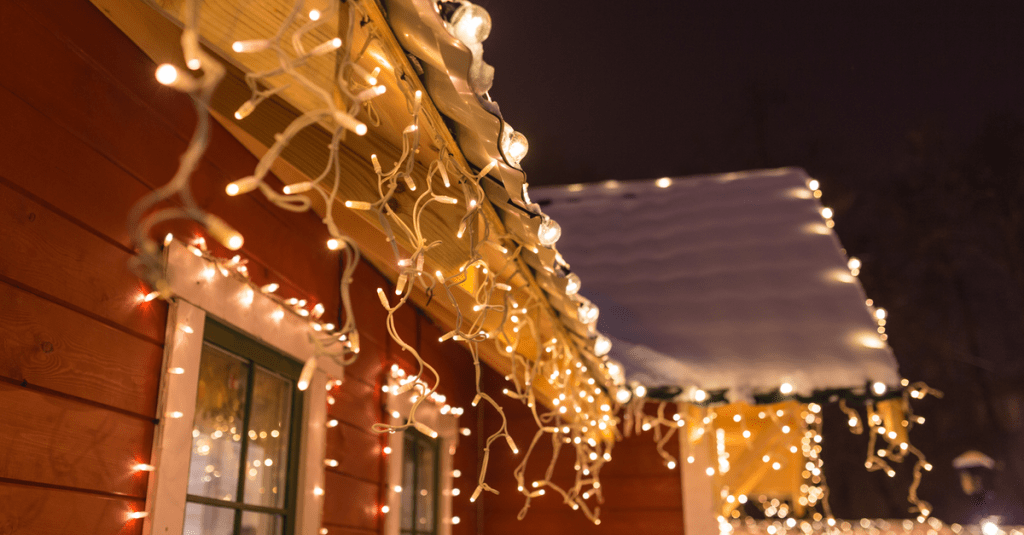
(497, 315)
(148, 263)
(804, 422)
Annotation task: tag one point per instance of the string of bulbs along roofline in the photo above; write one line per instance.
(559, 360)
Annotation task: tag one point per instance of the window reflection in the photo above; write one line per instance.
(419, 484)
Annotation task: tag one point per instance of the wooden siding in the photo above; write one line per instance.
(87, 132)
(641, 495)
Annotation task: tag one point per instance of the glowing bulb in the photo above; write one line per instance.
(549, 232)
(786, 388)
(384, 509)
(826, 213)
(640, 391)
(623, 395)
(813, 185)
(602, 345)
(166, 74)
(880, 313)
(878, 388)
(514, 146)
(143, 467)
(455, 519)
(853, 263)
(333, 244)
(663, 182)
(242, 185)
(471, 24)
(700, 396)
(587, 312)
(572, 284)
(314, 14)
(138, 514)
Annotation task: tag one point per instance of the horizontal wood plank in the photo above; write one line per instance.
(350, 502)
(31, 510)
(53, 255)
(56, 348)
(357, 403)
(343, 530)
(106, 115)
(357, 450)
(57, 441)
(569, 521)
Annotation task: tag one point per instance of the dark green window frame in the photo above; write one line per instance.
(243, 347)
(414, 443)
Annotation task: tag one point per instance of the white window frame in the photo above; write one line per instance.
(199, 289)
(447, 428)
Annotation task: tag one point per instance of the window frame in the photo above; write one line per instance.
(419, 439)
(229, 341)
(447, 428)
(199, 290)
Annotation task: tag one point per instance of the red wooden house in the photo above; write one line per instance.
(232, 394)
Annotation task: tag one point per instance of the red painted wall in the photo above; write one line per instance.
(85, 131)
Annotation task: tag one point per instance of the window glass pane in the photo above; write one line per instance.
(217, 430)
(260, 524)
(267, 453)
(425, 486)
(408, 473)
(208, 520)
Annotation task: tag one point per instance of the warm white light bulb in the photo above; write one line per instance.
(663, 182)
(254, 45)
(314, 14)
(549, 232)
(587, 312)
(640, 391)
(813, 185)
(878, 388)
(514, 146)
(602, 345)
(700, 396)
(572, 284)
(786, 388)
(853, 263)
(880, 313)
(471, 24)
(166, 74)
(826, 213)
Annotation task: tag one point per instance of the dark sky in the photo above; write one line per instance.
(644, 89)
(910, 112)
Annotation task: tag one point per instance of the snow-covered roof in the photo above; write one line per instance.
(729, 282)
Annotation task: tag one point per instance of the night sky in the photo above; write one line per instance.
(910, 113)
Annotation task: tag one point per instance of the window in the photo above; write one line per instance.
(421, 477)
(246, 407)
(239, 372)
(420, 462)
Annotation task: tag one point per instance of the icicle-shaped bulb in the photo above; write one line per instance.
(223, 233)
(242, 185)
(548, 232)
(471, 24)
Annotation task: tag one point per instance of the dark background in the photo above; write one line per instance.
(910, 114)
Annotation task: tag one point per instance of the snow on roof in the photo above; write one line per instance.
(725, 282)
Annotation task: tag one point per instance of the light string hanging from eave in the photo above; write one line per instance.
(586, 427)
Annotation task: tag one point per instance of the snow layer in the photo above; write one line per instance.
(717, 282)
